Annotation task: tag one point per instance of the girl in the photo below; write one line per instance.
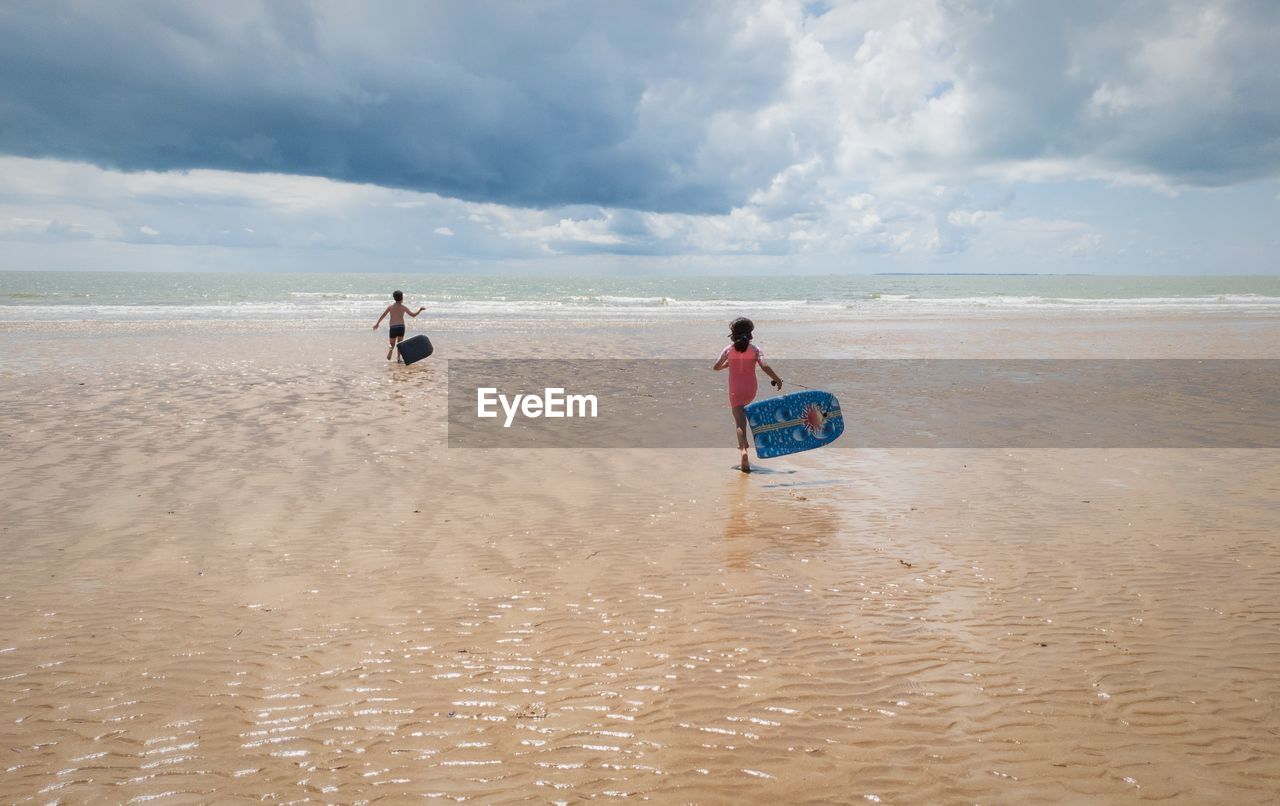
(741, 358)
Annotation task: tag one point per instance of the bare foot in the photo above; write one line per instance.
(745, 466)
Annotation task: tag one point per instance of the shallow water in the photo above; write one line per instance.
(225, 296)
(257, 574)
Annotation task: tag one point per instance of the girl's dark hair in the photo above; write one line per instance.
(740, 331)
(398, 296)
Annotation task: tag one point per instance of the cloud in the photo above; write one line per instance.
(1175, 93)
(204, 208)
(525, 105)
(41, 230)
(828, 135)
(218, 209)
(662, 107)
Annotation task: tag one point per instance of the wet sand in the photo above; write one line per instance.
(245, 565)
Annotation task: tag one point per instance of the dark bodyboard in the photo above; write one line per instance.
(415, 349)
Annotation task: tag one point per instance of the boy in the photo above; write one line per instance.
(397, 311)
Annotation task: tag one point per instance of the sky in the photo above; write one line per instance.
(648, 137)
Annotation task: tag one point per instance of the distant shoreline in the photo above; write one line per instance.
(1011, 274)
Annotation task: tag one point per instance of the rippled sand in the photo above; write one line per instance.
(245, 566)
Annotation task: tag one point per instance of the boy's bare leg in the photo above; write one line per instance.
(391, 349)
(740, 420)
(398, 359)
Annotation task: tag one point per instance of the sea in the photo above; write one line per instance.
(134, 296)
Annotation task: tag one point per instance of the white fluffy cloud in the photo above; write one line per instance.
(345, 225)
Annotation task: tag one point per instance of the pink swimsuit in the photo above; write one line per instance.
(742, 373)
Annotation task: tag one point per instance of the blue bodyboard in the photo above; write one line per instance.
(800, 421)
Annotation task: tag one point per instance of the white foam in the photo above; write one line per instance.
(338, 307)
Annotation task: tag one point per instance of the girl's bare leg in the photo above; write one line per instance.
(740, 420)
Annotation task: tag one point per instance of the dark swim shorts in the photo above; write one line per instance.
(397, 330)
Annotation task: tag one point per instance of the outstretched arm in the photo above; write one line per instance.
(380, 318)
(414, 314)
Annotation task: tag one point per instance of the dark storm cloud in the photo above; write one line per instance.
(527, 104)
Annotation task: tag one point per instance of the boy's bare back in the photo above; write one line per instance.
(396, 310)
